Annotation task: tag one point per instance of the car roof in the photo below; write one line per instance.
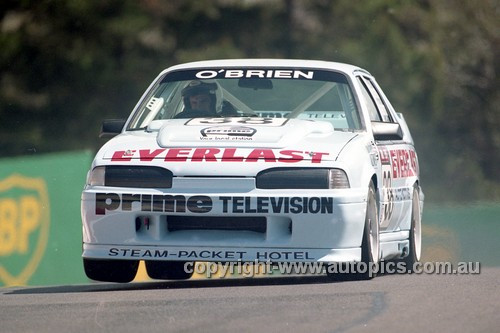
(313, 64)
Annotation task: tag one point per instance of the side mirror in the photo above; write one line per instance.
(111, 127)
(386, 131)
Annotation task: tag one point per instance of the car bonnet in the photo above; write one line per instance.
(241, 139)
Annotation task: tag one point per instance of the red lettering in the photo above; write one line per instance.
(409, 172)
(402, 164)
(256, 154)
(394, 163)
(208, 155)
(228, 156)
(177, 154)
(122, 155)
(316, 157)
(147, 155)
(414, 161)
(295, 156)
(384, 155)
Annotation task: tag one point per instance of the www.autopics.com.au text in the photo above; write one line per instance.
(260, 268)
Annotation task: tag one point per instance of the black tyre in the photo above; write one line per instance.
(167, 270)
(110, 270)
(415, 237)
(370, 246)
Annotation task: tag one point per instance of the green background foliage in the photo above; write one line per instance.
(65, 65)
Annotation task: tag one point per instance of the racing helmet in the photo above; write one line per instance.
(198, 87)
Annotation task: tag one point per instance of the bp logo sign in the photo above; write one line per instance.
(24, 227)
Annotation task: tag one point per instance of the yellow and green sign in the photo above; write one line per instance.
(24, 227)
(40, 226)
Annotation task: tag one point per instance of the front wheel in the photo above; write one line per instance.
(110, 270)
(415, 238)
(370, 246)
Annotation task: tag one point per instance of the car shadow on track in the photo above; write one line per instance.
(156, 284)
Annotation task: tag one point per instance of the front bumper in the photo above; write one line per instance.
(298, 225)
(220, 254)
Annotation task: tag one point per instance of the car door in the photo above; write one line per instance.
(397, 161)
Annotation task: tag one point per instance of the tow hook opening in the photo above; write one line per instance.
(141, 221)
(404, 251)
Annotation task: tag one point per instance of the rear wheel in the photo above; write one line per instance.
(370, 246)
(110, 270)
(167, 270)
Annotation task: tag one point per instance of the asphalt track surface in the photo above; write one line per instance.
(390, 303)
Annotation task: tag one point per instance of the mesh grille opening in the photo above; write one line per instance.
(177, 223)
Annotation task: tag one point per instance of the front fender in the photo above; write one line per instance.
(360, 160)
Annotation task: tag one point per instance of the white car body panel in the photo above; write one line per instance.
(215, 176)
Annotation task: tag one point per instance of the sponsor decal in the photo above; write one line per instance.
(255, 73)
(373, 152)
(385, 157)
(317, 115)
(293, 205)
(396, 164)
(401, 193)
(175, 203)
(218, 155)
(323, 115)
(228, 131)
(209, 254)
(24, 227)
(403, 162)
(232, 133)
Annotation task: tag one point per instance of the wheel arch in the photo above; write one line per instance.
(374, 180)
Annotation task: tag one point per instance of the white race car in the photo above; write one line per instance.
(253, 160)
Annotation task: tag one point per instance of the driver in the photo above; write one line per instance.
(199, 100)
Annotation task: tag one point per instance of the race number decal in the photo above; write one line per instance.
(388, 199)
(387, 207)
(272, 122)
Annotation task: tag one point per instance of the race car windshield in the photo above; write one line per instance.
(267, 93)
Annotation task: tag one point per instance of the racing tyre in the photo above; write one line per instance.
(415, 238)
(370, 246)
(110, 270)
(167, 270)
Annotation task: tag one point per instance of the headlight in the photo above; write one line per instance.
(97, 176)
(337, 178)
(302, 178)
(131, 176)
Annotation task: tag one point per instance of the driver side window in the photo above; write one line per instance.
(370, 103)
